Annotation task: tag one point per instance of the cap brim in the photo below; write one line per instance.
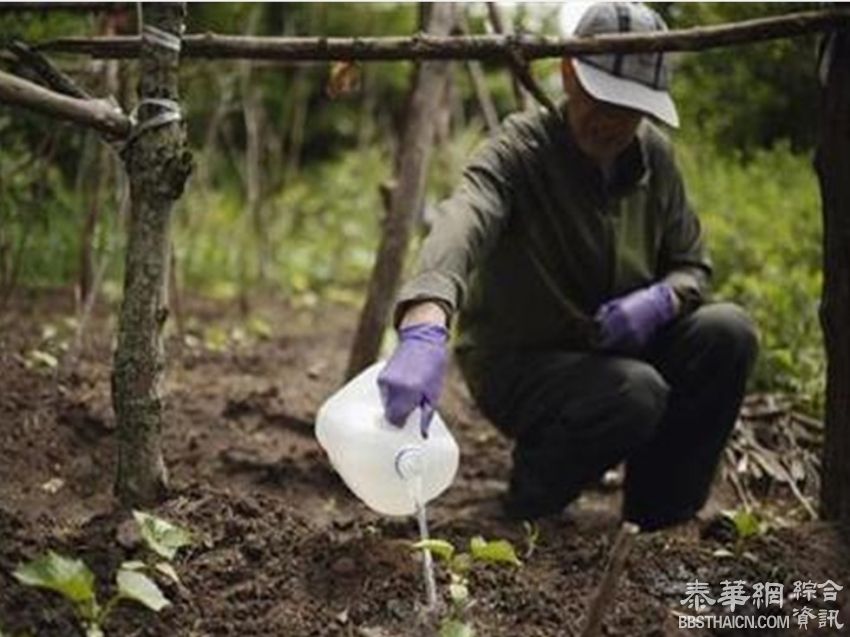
(622, 92)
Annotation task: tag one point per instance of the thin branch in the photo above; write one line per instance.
(498, 25)
(522, 71)
(81, 7)
(97, 114)
(482, 47)
(44, 68)
(479, 82)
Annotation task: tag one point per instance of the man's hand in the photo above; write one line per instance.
(413, 376)
(628, 322)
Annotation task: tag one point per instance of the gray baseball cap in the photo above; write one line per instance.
(635, 80)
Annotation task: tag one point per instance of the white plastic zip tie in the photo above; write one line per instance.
(161, 38)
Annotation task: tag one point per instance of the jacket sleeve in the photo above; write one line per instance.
(465, 228)
(684, 262)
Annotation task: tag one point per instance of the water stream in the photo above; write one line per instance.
(414, 485)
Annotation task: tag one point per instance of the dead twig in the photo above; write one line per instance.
(522, 71)
(49, 74)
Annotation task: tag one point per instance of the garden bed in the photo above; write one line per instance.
(282, 548)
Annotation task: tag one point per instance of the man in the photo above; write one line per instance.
(578, 275)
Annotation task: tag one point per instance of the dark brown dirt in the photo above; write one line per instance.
(283, 549)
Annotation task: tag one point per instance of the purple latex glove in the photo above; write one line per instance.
(413, 376)
(626, 323)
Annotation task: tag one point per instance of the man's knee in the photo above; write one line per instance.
(728, 331)
(641, 397)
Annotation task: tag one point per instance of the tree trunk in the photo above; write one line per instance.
(405, 201)
(93, 180)
(252, 116)
(158, 166)
(832, 160)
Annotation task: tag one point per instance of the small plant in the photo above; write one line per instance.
(73, 579)
(746, 525)
(532, 538)
(455, 623)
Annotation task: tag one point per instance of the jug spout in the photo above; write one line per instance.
(408, 463)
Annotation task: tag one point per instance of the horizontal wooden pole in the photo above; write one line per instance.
(78, 7)
(481, 47)
(93, 113)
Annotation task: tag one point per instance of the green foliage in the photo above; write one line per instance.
(747, 525)
(745, 98)
(140, 588)
(322, 230)
(73, 579)
(455, 623)
(66, 576)
(160, 536)
(763, 226)
(456, 628)
(494, 551)
(532, 537)
(441, 548)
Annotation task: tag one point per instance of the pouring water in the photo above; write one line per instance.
(392, 469)
(414, 486)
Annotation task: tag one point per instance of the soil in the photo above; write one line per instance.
(282, 548)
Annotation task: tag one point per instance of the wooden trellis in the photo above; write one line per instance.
(138, 362)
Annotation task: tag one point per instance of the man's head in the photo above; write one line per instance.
(609, 93)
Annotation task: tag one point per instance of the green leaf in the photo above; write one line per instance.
(166, 569)
(94, 631)
(460, 563)
(747, 522)
(259, 328)
(140, 588)
(441, 548)
(66, 576)
(45, 359)
(133, 565)
(456, 628)
(162, 537)
(458, 592)
(497, 551)
(532, 536)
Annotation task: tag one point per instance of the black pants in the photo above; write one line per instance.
(667, 413)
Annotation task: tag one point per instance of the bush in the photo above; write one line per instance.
(763, 225)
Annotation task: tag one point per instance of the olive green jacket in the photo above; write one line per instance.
(535, 239)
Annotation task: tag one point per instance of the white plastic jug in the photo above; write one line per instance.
(383, 464)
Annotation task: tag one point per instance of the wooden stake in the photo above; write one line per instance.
(605, 594)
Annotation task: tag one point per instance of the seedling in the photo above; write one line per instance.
(455, 623)
(162, 540)
(747, 524)
(532, 537)
(73, 579)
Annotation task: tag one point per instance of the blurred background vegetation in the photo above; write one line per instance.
(285, 199)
